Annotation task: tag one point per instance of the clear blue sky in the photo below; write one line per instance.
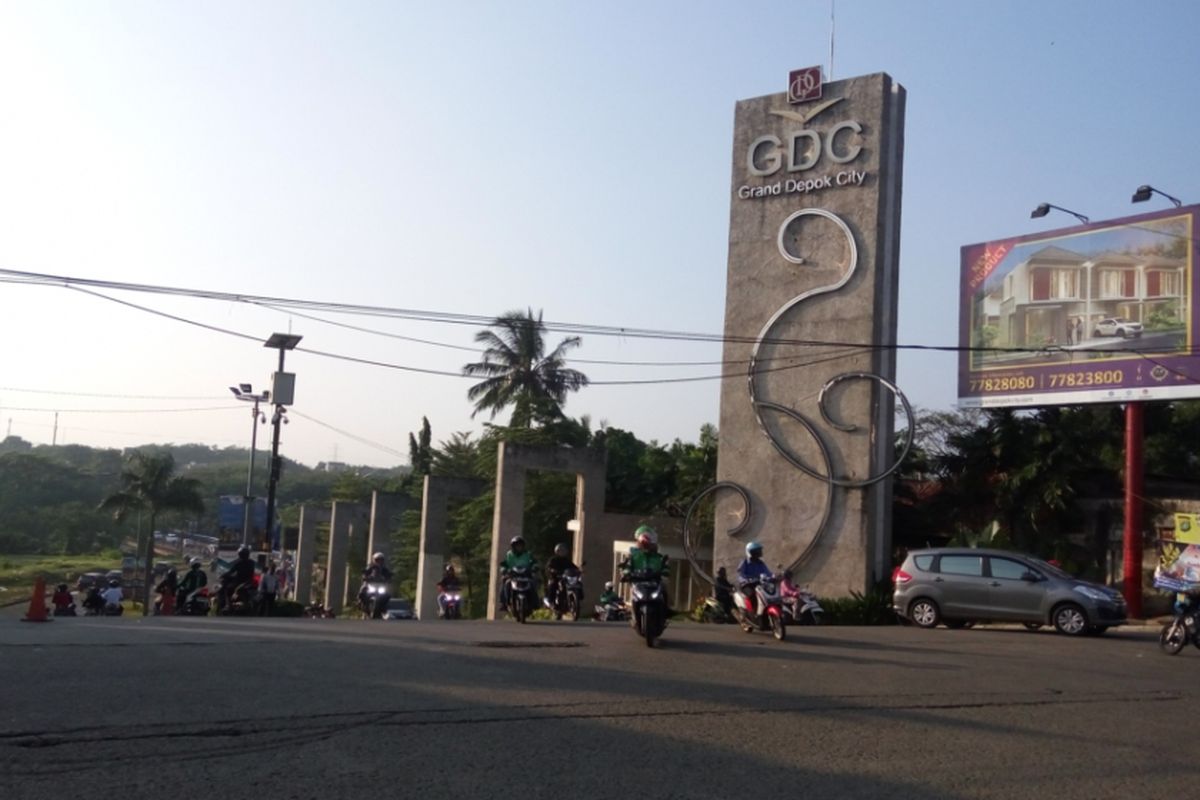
(480, 157)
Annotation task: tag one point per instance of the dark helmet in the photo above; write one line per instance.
(721, 572)
(449, 569)
(244, 550)
(195, 563)
(517, 544)
(561, 550)
(754, 550)
(62, 587)
(114, 583)
(787, 574)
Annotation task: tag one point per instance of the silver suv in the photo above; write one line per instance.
(961, 586)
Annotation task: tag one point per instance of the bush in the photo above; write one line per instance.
(872, 608)
(288, 608)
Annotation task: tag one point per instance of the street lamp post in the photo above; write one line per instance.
(246, 392)
(283, 387)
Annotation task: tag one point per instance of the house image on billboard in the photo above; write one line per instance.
(1057, 297)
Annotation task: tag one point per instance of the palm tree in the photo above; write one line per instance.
(518, 372)
(150, 484)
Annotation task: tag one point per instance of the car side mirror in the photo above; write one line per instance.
(1032, 577)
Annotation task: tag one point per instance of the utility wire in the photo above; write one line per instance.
(348, 435)
(15, 276)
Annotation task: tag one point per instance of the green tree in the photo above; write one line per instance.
(420, 453)
(150, 484)
(517, 371)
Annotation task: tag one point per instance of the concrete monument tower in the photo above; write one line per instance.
(810, 324)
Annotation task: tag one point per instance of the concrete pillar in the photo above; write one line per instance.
(508, 519)
(385, 508)
(434, 549)
(305, 550)
(339, 547)
(593, 553)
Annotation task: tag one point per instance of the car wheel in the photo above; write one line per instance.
(924, 612)
(1070, 619)
(1096, 333)
(1033, 626)
(1122, 333)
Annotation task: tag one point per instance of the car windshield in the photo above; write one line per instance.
(1057, 572)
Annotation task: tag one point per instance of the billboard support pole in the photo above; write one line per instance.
(1132, 557)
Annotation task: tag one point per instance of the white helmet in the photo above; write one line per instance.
(378, 557)
(608, 586)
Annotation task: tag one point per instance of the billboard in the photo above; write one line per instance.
(1100, 313)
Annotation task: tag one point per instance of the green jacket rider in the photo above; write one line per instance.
(645, 557)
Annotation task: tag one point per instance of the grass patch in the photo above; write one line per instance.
(17, 573)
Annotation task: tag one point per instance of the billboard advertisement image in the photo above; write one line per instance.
(1100, 313)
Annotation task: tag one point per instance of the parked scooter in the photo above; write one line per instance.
(649, 603)
(611, 612)
(1184, 627)
(765, 612)
(318, 611)
(802, 609)
(521, 598)
(713, 611)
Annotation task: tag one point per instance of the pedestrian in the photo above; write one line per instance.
(1070, 331)
(1079, 330)
(268, 585)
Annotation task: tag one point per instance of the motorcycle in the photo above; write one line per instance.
(93, 604)
(802, 609)
(450, 603)
(611, 612)
(236, 600)
(520, 593)
(195, 604)
(113, 610)
(764, 615)
(649, 604)
(318, 611)
(1184, 628)
(373, 599)
(713, 611)
(568, 595)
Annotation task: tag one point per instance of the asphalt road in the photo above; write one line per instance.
(303, 709)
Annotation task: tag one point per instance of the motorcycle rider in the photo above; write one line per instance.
(239, 573)
(192, 582)
(722, 591)
(447, 585)
(750, 571)
(609, 595)
(64, 604)
(112, 597)
(167, 590)
(644, 557)
(517, 557)
(558, 565)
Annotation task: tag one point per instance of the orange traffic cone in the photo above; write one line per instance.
(37, 603)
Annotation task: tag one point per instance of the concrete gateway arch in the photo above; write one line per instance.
(589, 467)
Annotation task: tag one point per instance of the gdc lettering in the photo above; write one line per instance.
(803, 150)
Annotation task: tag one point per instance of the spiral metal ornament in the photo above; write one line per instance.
(688, 548)
(824, 472)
